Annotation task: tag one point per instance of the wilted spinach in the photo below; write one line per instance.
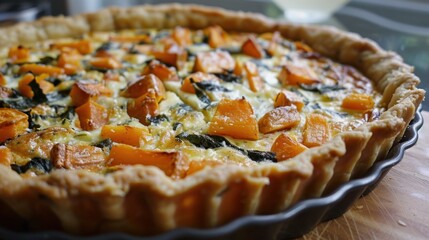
(37, 163)
(211, 141)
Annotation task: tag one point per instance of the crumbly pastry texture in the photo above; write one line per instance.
(142, 200)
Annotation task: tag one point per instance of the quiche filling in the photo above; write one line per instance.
(179, 99)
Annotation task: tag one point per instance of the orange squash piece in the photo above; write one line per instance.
(162, 71)
(38, 69)
(105, 63)
(303, 47)
(142, 86)
(182, 36)
(288, 98)
(82, 91)
(195, 166)
(92, 115)
(12, 123)
(234, 118)
(286, 147)
(82, 46)
(358, 101)
(252, 48)
(216, 35)
(256, 83)
(174, 55)
(273, 45)
(122, 154)
(18, 54)
(294, 75)
(124, 134)
(25, 89)
(77, 157)
(143, 107)
(2, 80)
(213, 62)
(196, 77)
(280, 118)
(70, 62)
(316, 130)
(5, 156)
(238, 68)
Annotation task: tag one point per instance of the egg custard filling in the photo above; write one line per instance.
(177, 99)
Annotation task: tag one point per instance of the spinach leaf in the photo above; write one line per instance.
(67, 114)
(105, 46)
(200, 93)
(37, 163)
(211, 141)
(104, 144)
(39, 96)
(320, 88)
(31, 120)
(157, 119)
(20, 103)
(229, 77)
(46, 60)
(211, 86)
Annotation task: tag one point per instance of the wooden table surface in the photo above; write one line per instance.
(397, 209)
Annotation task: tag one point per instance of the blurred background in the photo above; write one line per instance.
(398, 25)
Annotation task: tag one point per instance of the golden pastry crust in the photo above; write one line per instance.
(142, 200)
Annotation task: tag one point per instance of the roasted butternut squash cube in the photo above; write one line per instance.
(5, 156)
(142, 85)
(12, 123)
(252, 48)
(280, 118)
(273, 45)
(78, 157)
(38, 69)
(124, 134)
(216, 35)
(256, 83)
(358, 101)
(294, 75)
(238, 68)
(143, 107)
(25, 89)
(82, 91)
(162, 71)
(2, 80)
(234, 118)
(122, 154)
(182, 36)
(70, 62)
(288, 98)
(198, 165)
(286, 147)
(18, 54)
(196, 77)
(213, 62)
(303, 47)
(316, 130)
(92, 115)
(105, 63)
(173, 55)
(82, 46)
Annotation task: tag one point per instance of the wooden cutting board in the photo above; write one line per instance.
(397, 209)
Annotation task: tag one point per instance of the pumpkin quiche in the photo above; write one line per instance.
(151, 118)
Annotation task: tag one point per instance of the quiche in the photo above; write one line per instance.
(151, 118)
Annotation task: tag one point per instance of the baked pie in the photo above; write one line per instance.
(151, 118)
